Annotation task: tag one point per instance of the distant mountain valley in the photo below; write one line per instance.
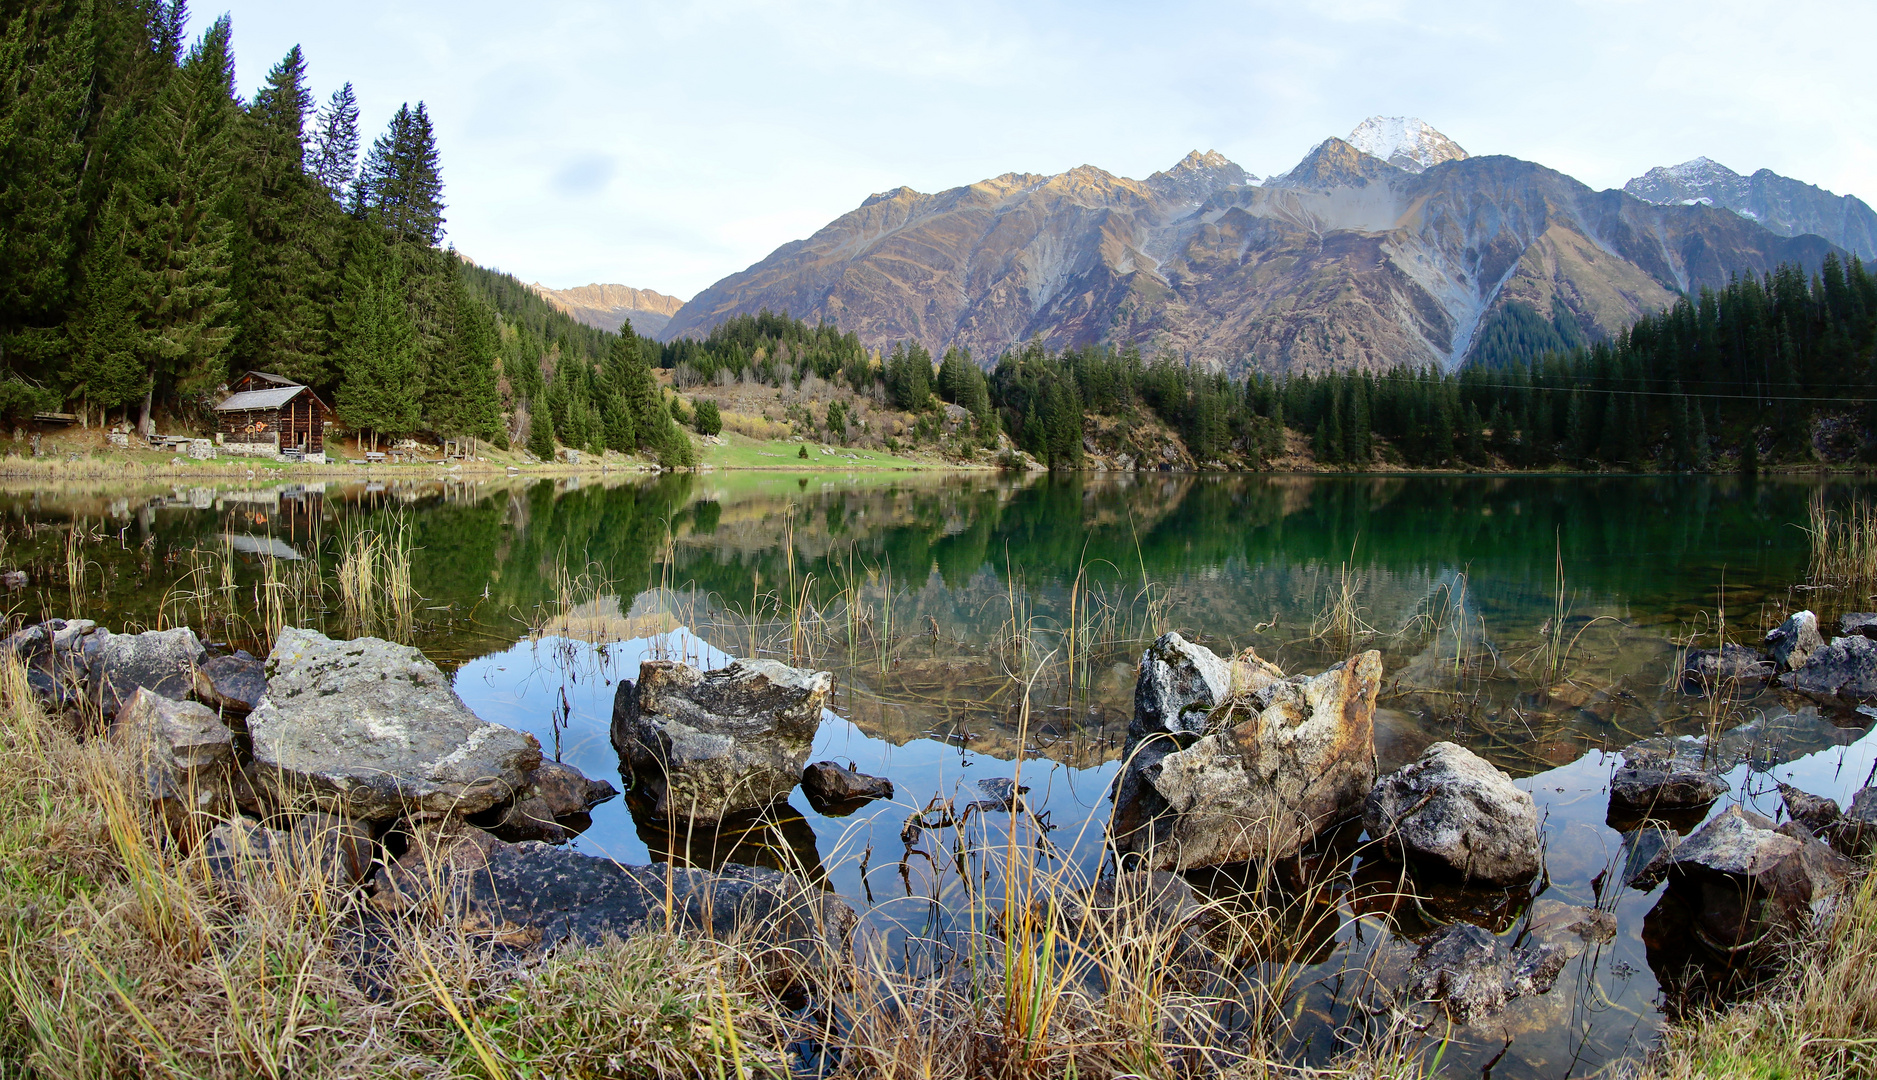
(608, 307)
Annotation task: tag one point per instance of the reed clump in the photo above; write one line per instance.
(1843, 541)
(374, 577)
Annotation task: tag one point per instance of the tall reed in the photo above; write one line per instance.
(1843, 542)
(374, 577)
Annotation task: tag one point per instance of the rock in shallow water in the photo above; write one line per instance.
(373, 730)
(704, 745)
(1664, 778)
(1452, 808)
(1472, 974)
(1709, 671)
(1743, 877)
(1792, 642)
(828, 785)
(533, 894)
(1275, 762)
(1846, 668)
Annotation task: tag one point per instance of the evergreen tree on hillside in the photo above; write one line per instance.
(540, 434)
(288, 224)
(332, 160)
(461, 398)
(46, 67)
(107, 370)
(380, 389)
(399, 187)
(178, 212)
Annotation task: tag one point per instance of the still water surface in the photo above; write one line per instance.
(1537, 621)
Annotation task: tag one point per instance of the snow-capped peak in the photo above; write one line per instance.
(1404, 142)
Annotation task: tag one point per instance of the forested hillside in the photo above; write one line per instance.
(1753, 371)
(158, 234)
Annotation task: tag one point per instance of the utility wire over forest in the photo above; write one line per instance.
(158, 234)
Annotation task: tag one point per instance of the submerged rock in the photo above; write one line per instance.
(163, 661)
(1569, 927)
(1846, 668)
(1452, 808)
(1275, 762)
(530, 895)
(373, 730)
(704, 745)
(1708, 671)
(1792, 642)
(832, 787)
(1675, 777)
(1472, 974)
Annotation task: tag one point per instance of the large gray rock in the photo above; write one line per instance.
(703, 745)
(163, 661)
(1677, 776)
(1178, 685)
(1472, 974)
(1742, 878)
(530, 894)
(1792, 642)
(1275, 762)
(1859, 828)
(1846, 668)
(57, 657)
(1453, 809)
(372, 730)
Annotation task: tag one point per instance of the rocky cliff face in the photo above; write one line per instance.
(1786, 206)
(1344, 262)
(611, 306)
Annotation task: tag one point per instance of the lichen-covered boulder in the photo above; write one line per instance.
(1275, 761)
(1792, 642)
(372, 730)
(703, 745)
(1453, 809)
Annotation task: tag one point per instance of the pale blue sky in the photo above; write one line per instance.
(664, 145)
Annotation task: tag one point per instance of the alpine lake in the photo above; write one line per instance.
(984, 626)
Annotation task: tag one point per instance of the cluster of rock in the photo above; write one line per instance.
(1798, 656)
(1232, 760)
(304, 763)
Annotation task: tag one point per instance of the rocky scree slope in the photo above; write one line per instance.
(1344, 262)
(608, 307)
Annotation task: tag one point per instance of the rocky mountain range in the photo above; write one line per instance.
(1349, 260)
(1786, 206)
(610, 306)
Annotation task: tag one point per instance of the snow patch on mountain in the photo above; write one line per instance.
(1404, 142)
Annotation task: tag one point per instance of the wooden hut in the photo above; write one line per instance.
(268, 415)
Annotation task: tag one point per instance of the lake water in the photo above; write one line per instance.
(984, 627)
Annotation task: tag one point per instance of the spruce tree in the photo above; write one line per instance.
(540, 434)
(279, 281)
(400, 186)
(332, 160)
(46, 71)
(381, 391)
(182, 236)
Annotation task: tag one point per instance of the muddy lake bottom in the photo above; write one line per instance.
(984, 627)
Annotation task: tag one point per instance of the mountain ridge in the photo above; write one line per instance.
(1344, 262)
(608, 307)
(1784, 205)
